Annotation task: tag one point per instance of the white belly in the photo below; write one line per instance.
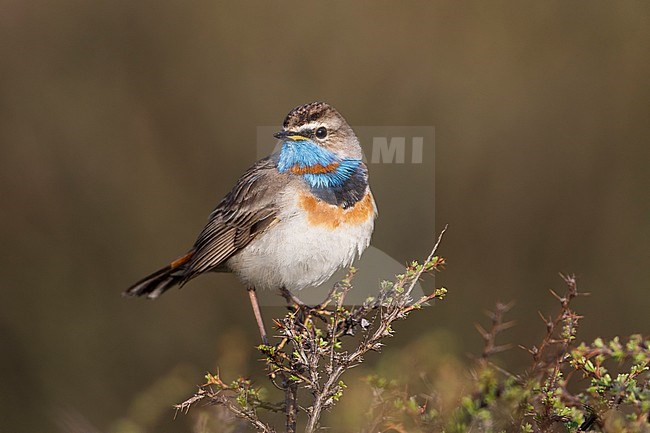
(296, 254)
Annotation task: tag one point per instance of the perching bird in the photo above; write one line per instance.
(292, 219)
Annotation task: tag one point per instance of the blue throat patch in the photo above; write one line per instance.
(305, 154)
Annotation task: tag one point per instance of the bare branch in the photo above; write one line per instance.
(318, 345)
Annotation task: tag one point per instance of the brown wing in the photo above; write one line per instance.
(244, 213)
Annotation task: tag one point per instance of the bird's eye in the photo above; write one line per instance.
(321, 132)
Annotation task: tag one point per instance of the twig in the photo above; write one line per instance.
(311, 354)
(431, 255)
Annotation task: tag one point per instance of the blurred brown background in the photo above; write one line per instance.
(123, 123)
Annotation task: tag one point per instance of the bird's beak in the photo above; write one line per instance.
(289, 135)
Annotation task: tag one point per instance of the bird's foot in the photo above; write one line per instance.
(303, 310)
(293, 302)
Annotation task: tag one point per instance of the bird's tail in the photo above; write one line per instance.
(160, 281)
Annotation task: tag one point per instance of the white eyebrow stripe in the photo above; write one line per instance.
(311, 125)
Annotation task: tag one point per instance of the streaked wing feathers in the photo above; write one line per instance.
(245, 212)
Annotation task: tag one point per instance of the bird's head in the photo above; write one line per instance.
(316, 140)
(319, 124)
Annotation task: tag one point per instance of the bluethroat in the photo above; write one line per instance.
(291, 220)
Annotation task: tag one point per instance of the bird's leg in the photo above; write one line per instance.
(292, 300)
(304, 310)
(299, 308)
(258, 315)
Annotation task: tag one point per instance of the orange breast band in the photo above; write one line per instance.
(324, 214)
(314, 169)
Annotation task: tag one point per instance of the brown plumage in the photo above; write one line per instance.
(245, 212)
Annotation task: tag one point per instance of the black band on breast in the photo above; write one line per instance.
(347, 194)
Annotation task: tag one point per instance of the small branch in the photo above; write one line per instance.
(320, 401)
(291, 405)
(498, 325)
(431, 255)
(217, 398)
(249, 416)
(318, 345)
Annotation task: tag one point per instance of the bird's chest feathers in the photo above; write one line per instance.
(336, 181)
(319, 213)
